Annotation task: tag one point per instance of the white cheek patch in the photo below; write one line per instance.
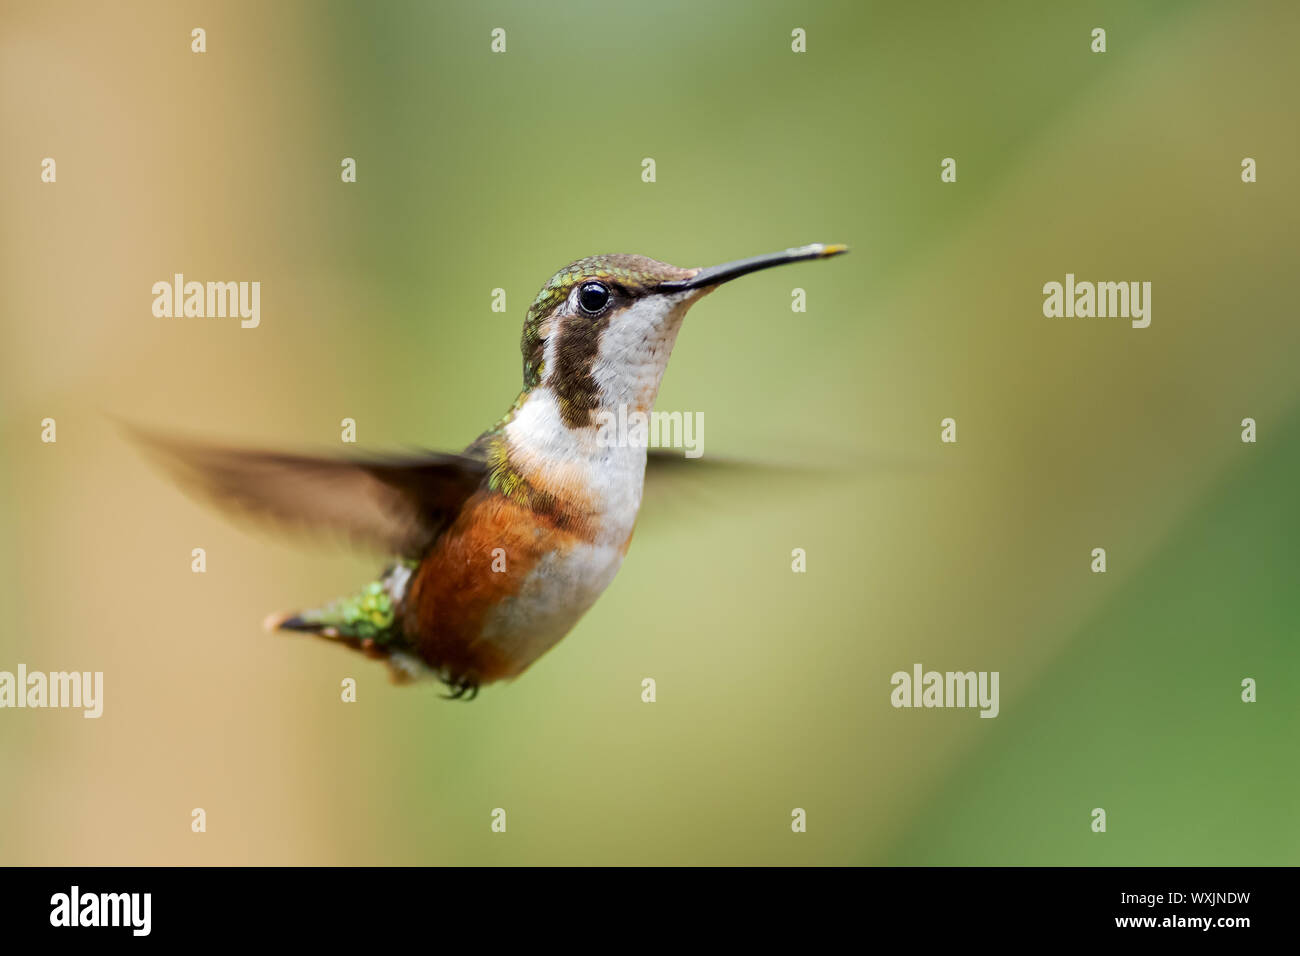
(548, 347)
(634, 350)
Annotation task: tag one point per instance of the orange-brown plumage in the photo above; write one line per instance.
(479, 562)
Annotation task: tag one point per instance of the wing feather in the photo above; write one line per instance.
(395, 504)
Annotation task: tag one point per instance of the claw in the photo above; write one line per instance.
(460, 688)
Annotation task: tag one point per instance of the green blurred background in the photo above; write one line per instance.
(478, 171)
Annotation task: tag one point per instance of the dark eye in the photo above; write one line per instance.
(593, 297)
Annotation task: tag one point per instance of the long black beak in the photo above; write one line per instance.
(716, 275)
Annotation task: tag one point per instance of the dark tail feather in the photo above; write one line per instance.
(403, 666)
(289, 621)
(295, 623)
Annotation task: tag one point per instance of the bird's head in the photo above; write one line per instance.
(600, 332)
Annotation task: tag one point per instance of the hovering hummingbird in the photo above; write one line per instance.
(502, 548)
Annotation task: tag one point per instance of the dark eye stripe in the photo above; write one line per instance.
(572, 380)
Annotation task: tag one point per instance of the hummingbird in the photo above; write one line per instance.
(497, 551)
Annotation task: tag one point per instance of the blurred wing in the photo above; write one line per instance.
(398, 505)
(672, 463)
(677, 486)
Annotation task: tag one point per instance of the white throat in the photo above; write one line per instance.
(628, 368)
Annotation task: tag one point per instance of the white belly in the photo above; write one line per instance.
(564, 584)
(558, 590)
